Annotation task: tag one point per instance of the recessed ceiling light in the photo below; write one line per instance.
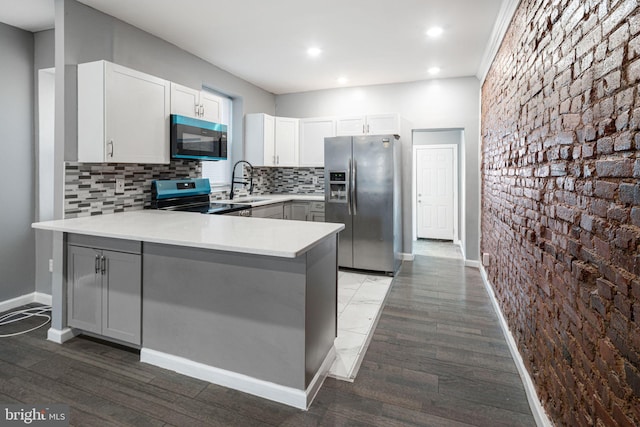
(435, 32)
(314, 51)
(342, 80)
(434, 70)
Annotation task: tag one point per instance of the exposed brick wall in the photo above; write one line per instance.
(561, 202)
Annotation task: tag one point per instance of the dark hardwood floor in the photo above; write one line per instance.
(437, 358)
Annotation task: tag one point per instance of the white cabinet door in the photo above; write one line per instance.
(371, 124)
(260, 139)
(383, 124)
(286, 138)
(137, 111)
(210, 107)
(194, 103)
(123, 115)
(312, 134)
(352, 125)
(184, 100)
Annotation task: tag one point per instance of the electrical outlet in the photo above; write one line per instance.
(314, 179)
(50, 266)
(119, 185)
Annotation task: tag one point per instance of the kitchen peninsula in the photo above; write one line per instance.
(247, 303)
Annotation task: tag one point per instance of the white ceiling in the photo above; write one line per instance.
(265, 42)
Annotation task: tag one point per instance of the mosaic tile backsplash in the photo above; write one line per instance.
(90, 188)
(287, 180)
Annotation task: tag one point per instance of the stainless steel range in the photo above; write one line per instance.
(190, 195)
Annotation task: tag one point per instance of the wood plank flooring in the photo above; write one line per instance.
(437, 358)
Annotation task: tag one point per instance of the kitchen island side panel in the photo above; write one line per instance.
(321, 304)
(239, 312)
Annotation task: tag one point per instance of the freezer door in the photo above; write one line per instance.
(337, 160)
(372, 204)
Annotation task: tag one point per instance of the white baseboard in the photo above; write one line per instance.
(407, 257)
(459, 243)
(472, 263)
(41, 298)
(300, 399)
(60, 336)
(537, 410)
(12, 303)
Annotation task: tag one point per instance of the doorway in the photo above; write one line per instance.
(436, 192)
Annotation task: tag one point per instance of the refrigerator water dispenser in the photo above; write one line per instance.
(337, 187)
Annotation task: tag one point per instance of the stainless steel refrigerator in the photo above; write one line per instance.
(362, 191)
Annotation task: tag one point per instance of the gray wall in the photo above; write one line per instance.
(429, 104)
(43, 58)
(17, 163)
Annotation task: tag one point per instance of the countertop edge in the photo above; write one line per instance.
(218, 247)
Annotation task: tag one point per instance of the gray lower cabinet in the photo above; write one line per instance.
(104, 290)
(274, 210)
(316, 212)
(304, 211)
(297, 211)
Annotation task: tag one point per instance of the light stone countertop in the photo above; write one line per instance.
(274, 198)
(259, 236)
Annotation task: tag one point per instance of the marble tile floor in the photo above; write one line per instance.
(437, 248)
(360, 301)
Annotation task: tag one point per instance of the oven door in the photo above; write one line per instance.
(197, 139)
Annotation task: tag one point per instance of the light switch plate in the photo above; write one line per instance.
(119, 185)
(486, 259)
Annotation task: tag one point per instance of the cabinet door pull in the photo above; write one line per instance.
(201, 110)
(110, 144)
(363, 131)
(197, 110)
(103, 264)
(277, 160)
(97, 264)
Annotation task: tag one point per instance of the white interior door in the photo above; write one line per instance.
(435, 193)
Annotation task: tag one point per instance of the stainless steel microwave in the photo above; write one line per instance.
(197, 139)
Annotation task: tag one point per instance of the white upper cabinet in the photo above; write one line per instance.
(271, 141)
(351, 125)
(372, 124)
(195, 103)
(286, 139)
(211, 107)
(383, 124)
(122, 115)
(312, 134)
(260, 139)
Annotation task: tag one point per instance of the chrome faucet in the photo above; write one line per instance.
(243, 182)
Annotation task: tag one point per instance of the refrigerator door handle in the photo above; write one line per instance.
(354, 188)
(349, 188)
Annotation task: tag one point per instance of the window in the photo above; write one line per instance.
(219, 172)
